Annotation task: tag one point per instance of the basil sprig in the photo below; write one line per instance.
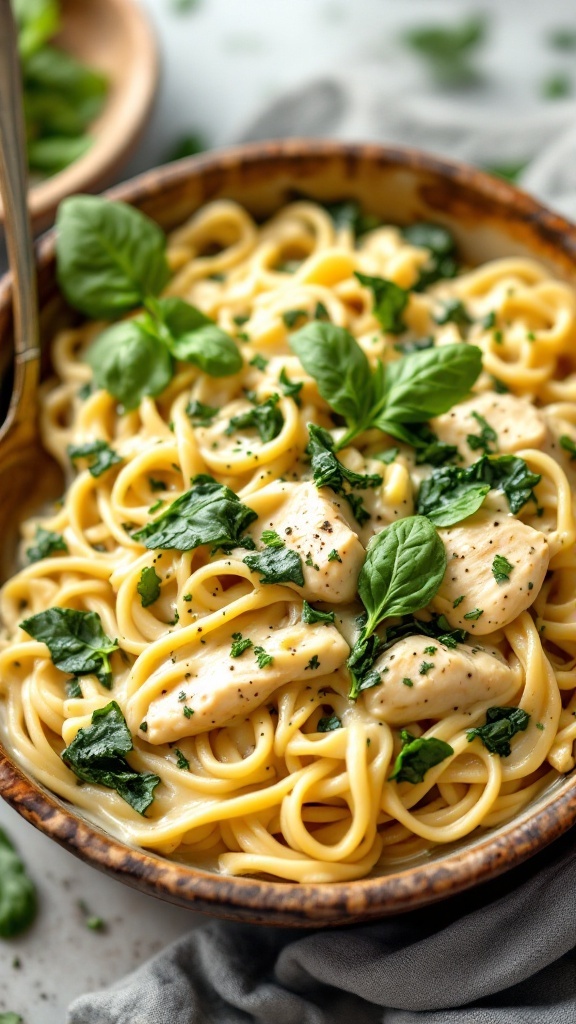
(98, 754)
(76, 641)
(411, 390)
(112, 258)
(402, 571)
(451, 493)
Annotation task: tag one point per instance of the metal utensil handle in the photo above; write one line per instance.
(14, 188)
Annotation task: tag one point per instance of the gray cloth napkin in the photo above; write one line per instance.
(501, 954)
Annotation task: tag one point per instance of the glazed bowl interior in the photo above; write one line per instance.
(489, 219)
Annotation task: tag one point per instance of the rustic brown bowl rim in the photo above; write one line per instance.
(285, 903)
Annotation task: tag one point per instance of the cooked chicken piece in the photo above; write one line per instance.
(217, 687)
(422, 678)
(316, 524)
(479, 592)
(515, 421)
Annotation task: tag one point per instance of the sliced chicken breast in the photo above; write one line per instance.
(515, 422)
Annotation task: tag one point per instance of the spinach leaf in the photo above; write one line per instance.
(328, 471)
(97, 754)
(390, 301)
(428, 448)
(436, 627)
(272, 539)
(329, 723)
(37, 21)
(404, 567)
(76, 641)
(485, 439)
(129, 363)
(208, 513)
(500, 726)
(98, 454)
(110, 256)
(17, 892)
(454, 312)
(442, 262)
(451, 494)
(194, 338)
(348, 214)
(340, 368)
(417, 756)
(148, 586)
(266, 418)
(277, 565)
(290, 388)
(311, 615)
(428, 383)
(46, 542)
(364, 652)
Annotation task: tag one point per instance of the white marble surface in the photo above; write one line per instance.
(222, 60)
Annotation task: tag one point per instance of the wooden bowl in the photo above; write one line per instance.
(489, 219)
(112, 36)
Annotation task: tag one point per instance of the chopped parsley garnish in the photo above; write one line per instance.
(76, 641)
(292, 316)
(272, 539)
(240, 319)
(500, 727)
(501, 569)
(485, 438)
(417, 756)
(97, 754)
(201, 415)
(262, 657)
(430, 650)
(311, 615)
(143, 726)
(320, 312)
(311, 563)
(333, 556)
(239, 645)
(458, 601)
(314, 662)
(329, 723)
(277, 565)
(259, 361)
(489, 320)
(454, 312)
(407, 682)
(425, 667)
(568, 445)
(187, 712)
(46, 543)
(265, 417)
(156, 485)
(181, 761)
(99, 456)
(148, 586)
(499, 386)
(441, 263)
(474, 614)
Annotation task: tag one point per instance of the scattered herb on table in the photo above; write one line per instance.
(17, 892)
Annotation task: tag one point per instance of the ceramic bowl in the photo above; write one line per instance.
(489, 219)
(112, 36)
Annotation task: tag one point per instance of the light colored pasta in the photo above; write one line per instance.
(266, 792)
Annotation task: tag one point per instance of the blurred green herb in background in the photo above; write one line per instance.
(186, 145)
(61, 95)
(510, 171)
(185, 6)
(556, 86)
(448, 50)
(563, 38)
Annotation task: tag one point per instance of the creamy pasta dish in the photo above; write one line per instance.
(307, 606)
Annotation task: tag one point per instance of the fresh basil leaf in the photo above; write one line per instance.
(311, 615)
(208, 513)
(97, 755)
(17, 893)
(417, 756)
(200, 414)
(454, 312)
(76, 641)
(329, 723)
(404, 567)
(99, 456)
(277, 565)
(500, 727)
(130, 363)
(110, 257)
(46, 543)
(340, 368)
(426, 384)
(390, 301)
(328, 471)
(194, 338)
(442, 261)
(148, 586)
(363, 654)
(266, 418)
(451, 493)
(37, 21)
